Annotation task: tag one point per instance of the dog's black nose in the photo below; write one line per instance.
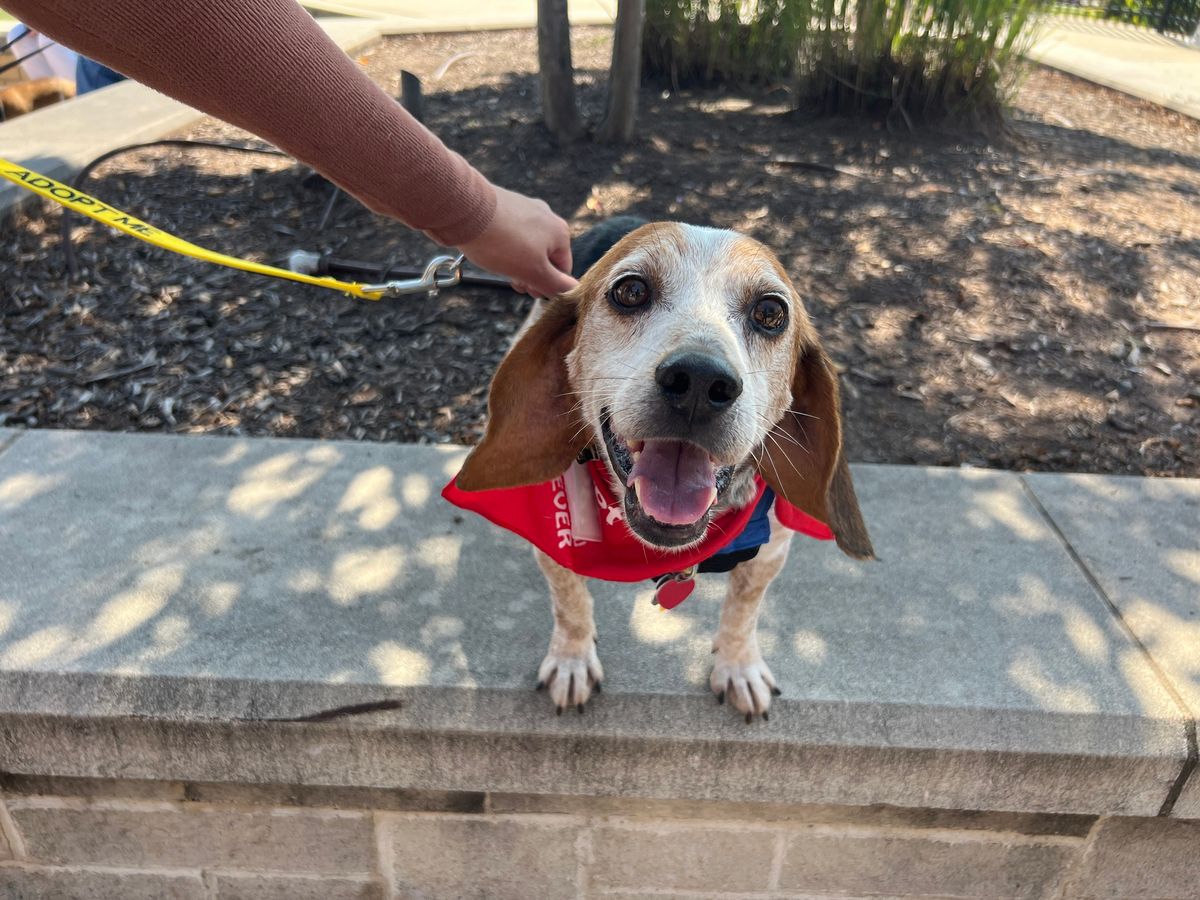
(697, 384)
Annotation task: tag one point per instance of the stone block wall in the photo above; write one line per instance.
(98, 839)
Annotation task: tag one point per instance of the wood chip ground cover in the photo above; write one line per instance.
(1025, 303)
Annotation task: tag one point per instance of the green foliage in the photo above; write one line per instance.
(917, 60)
(1169, 16)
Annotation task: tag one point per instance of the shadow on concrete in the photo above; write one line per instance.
(281, 562)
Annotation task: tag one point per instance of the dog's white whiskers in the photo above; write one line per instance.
(802, 415)
(592, 392)
(781, 449)
(776, 435)
(774, 467)
(578, 431)
(804, 434)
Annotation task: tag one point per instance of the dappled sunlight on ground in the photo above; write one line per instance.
(7, 614)
(289, 561)
(131, 609)
(1184, 563)
(810, 646)
(217, 599)
(1010, 510)
(441, 554)
(1028, 673)
(22, 488)
(278, 479)
(1086, 636)
(370, 494)
(399, 666)
(359, 572)
(416, 490)
(654, 625)
(35, 647)
(1171, 639)
(168, 636)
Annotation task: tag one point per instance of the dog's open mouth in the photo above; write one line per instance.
(674, 483)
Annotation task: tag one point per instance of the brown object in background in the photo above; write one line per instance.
(30, 95)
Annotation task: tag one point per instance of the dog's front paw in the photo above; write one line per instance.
(570, 671)
(745, 681)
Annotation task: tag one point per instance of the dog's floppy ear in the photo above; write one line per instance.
(802, 456)
(533, 431)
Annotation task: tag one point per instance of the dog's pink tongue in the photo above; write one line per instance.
(676, 483)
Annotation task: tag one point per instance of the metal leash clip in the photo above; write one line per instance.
(442, 272)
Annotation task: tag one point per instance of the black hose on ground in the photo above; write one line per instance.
(68, 248)
(330, 266)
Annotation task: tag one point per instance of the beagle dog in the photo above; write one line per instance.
(685, 374)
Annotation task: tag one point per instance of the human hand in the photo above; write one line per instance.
(527, 243)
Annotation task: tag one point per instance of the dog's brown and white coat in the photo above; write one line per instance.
(685, 359)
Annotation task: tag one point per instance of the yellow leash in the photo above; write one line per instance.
(442, 271)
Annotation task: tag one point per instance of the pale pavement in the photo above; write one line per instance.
(1131, 60)
(462, 15)
(1135, 61)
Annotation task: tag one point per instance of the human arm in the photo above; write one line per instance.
(266, 66)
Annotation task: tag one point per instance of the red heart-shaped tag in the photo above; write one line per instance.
(671, 593)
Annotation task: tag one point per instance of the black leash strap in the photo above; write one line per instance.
(16, 62)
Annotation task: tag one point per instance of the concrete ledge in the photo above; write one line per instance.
(170, 606)
(1146, 561)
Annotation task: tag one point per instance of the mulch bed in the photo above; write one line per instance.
(1026, 302)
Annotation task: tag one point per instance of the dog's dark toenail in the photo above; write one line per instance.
(579, 708)
(720, 697)
(749, 718)
(766, 716)
(558, 710)
(776, 692)
(541, 686)
(598, 687)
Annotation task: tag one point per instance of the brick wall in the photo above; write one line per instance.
(83, 838)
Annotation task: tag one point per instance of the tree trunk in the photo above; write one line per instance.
(625, 75)
(559, 111)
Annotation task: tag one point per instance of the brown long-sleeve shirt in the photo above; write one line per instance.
(266, 66)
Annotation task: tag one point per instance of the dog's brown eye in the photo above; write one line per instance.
(630, 293)
(769, 314)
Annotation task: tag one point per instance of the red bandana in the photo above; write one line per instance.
(577, 522)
